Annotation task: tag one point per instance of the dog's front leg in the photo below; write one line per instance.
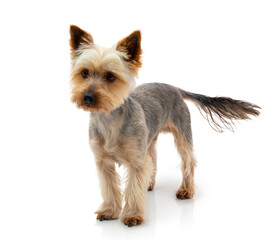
(138, 179)
(110, 189)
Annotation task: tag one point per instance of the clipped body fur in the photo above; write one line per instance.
(125, 122)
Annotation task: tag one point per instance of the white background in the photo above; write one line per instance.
(48, 183)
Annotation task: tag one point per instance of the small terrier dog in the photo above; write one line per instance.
(126, 121)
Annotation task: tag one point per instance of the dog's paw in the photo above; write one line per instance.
(184, 194)
(151, 186)
(102, 216)
(132, 221)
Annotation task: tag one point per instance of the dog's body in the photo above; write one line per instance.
(125, 123)
(148, 108)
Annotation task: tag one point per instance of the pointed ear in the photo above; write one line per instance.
(131, 45)
(78, 37)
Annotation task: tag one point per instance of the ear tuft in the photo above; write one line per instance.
(131, 45)
(78, 37)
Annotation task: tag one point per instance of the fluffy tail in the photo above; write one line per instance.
(221, 112)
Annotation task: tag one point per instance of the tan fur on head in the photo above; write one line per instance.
(122, 61)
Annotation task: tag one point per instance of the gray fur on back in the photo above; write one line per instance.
(148, 108)
(160, 103)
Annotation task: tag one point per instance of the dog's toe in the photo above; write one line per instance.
(179, 196)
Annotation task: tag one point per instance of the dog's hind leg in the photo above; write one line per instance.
(180, 126)
(153, 155)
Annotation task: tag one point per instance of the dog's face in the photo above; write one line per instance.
(101, 78)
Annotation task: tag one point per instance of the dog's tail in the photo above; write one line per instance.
(221, 112)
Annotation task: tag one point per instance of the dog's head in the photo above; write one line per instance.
(102, 78)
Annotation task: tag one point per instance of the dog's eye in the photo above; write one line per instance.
(110, 77)
(85, 73)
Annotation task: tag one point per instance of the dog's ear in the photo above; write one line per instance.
(78, 37)
(131, 45)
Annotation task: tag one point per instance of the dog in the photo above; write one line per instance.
(125, 121)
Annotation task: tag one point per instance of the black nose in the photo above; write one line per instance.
(89, 98)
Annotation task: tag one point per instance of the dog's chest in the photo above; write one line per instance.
(111, 140)
(111, 146)
(107, 132)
